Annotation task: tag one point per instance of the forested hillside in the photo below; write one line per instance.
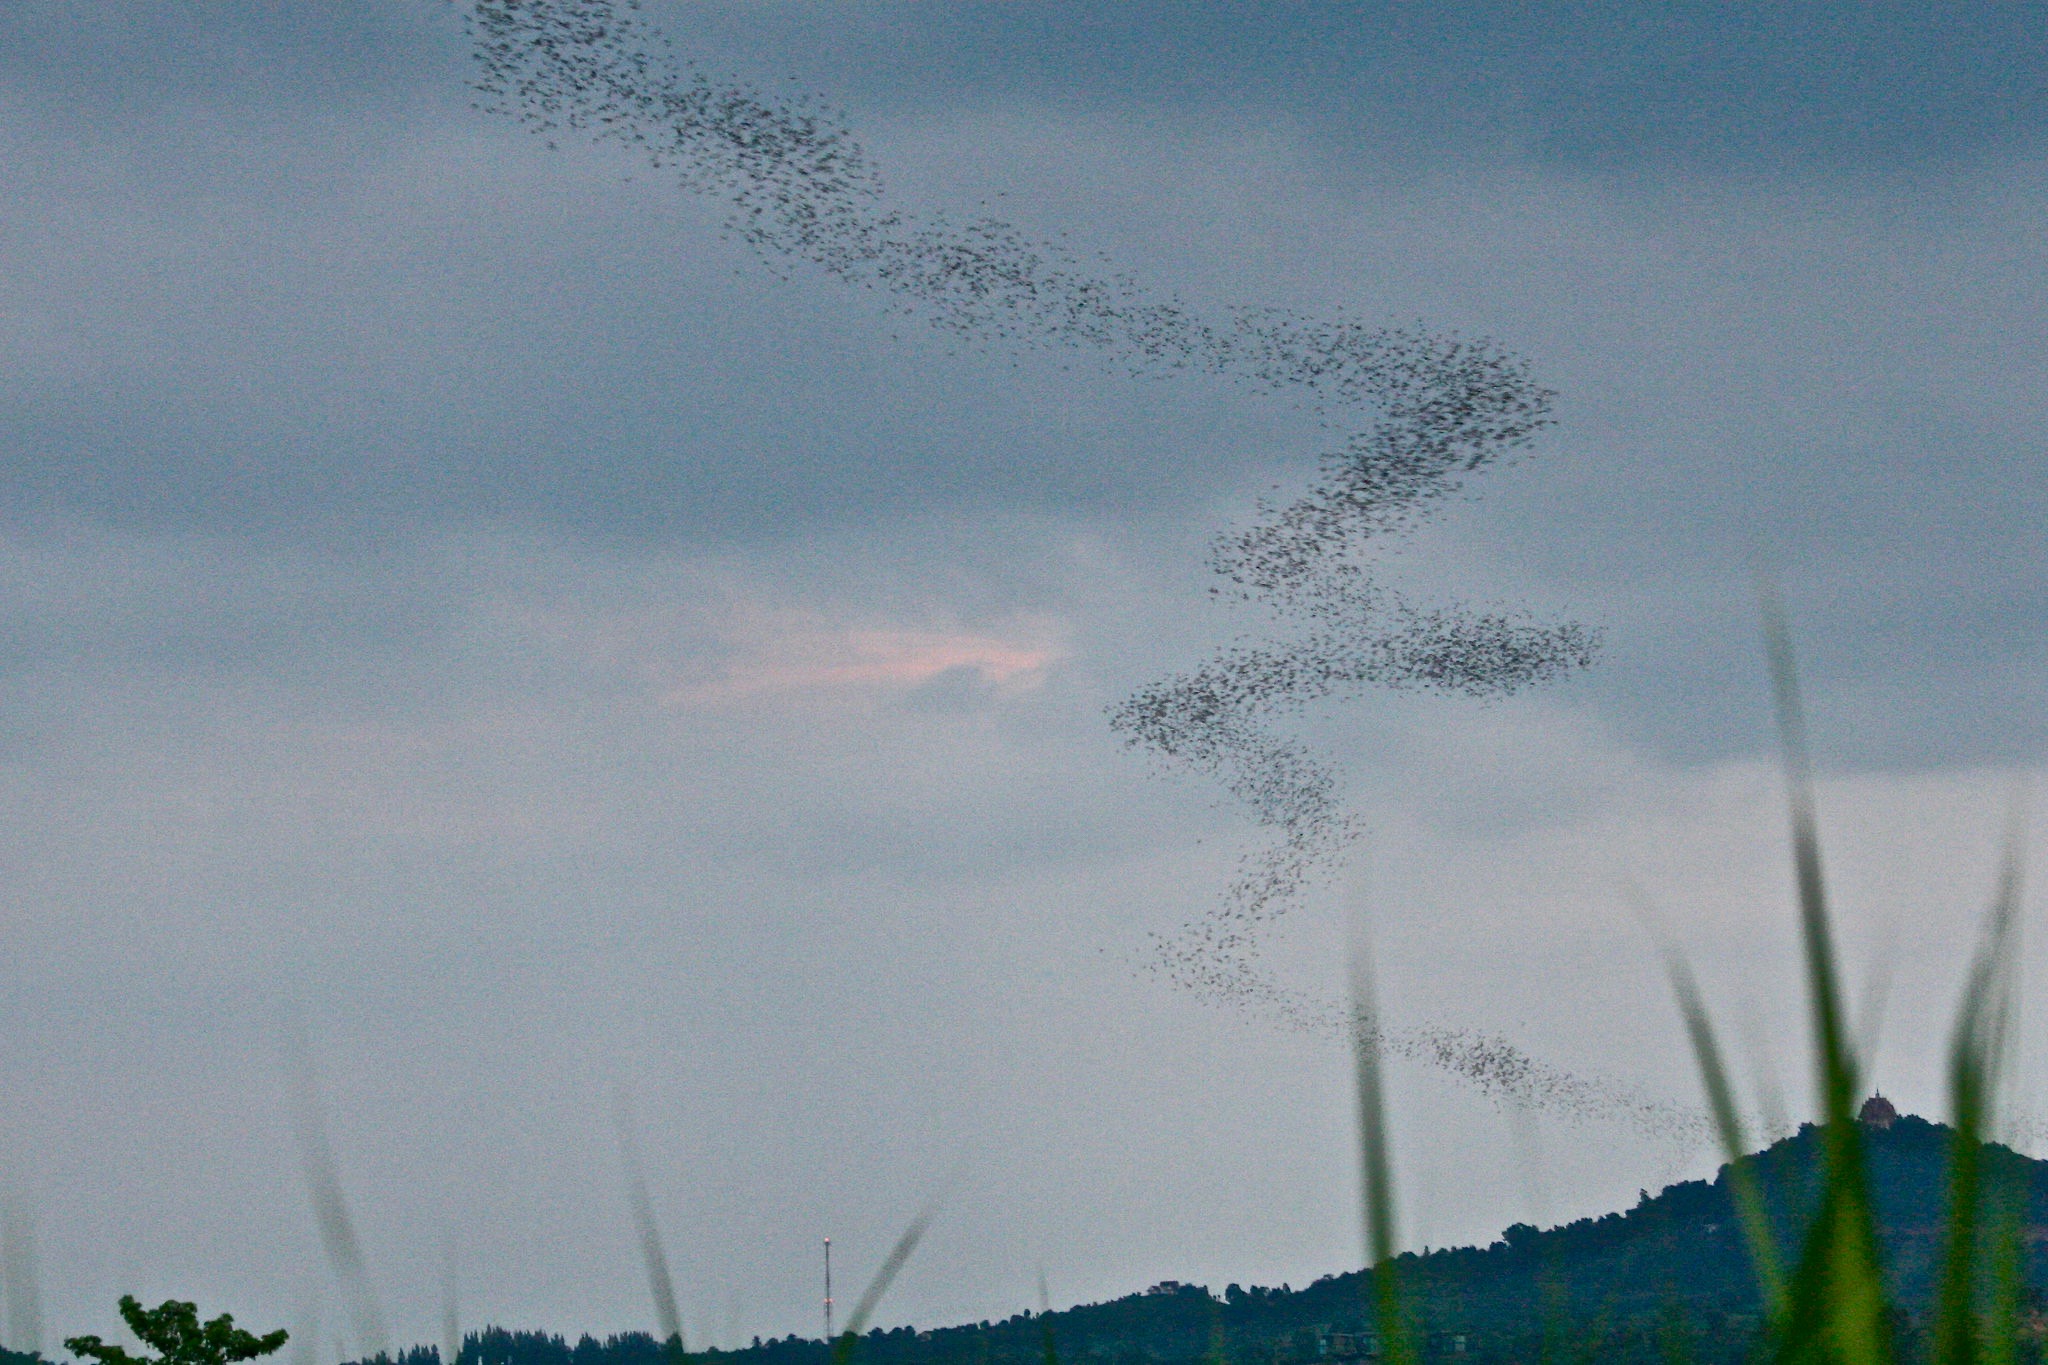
(1669, 1273)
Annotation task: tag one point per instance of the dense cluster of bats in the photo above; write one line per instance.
(1419, 413)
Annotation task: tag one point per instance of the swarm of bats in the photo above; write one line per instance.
(1419, 413)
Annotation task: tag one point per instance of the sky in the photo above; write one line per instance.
(482, 648)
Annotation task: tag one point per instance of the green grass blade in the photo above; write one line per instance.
(18, 1293)
(1219, 1342)
(1835, 1055)
(1743, 1189)
(1955, 1303)
(2002, 1334)
(1983, 1023)
(1051, 1347)
(451, 1307)
(331, 1216)
(1836, 1307)
(661, 1284)
(871, 1297)
(1375, 1167)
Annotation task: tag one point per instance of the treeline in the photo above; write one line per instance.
(1670, 1274)
(497, 1346)
(1669, 1278)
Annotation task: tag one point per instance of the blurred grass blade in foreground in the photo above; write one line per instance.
(1052, 1350)
(1743, 1190)
(871, 1297)
(1375, 1167)
(1975, 1059)
(1836, 1307)
(660, 1283)
(451, 1307)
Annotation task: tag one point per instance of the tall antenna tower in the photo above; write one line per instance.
(828, 1291)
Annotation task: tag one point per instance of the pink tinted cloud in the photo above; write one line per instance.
(864, 660)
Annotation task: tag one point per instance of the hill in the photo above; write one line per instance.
(1670, 1272)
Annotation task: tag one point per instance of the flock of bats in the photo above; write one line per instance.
(1416, 414)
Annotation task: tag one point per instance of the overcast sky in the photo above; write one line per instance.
(459, 609)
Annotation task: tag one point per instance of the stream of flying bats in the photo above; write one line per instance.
(1416, 413)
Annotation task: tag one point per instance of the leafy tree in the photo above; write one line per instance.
(174, 1329)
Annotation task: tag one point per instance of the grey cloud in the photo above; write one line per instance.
(87, 62)
(1604, 86)
(459, 329)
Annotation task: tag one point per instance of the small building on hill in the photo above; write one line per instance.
(1877, 1112)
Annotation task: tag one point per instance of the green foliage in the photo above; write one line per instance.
(174, 1330)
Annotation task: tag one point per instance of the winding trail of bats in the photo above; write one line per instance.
(1424, 411)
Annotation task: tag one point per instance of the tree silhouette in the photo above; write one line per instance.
(174, 1329)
